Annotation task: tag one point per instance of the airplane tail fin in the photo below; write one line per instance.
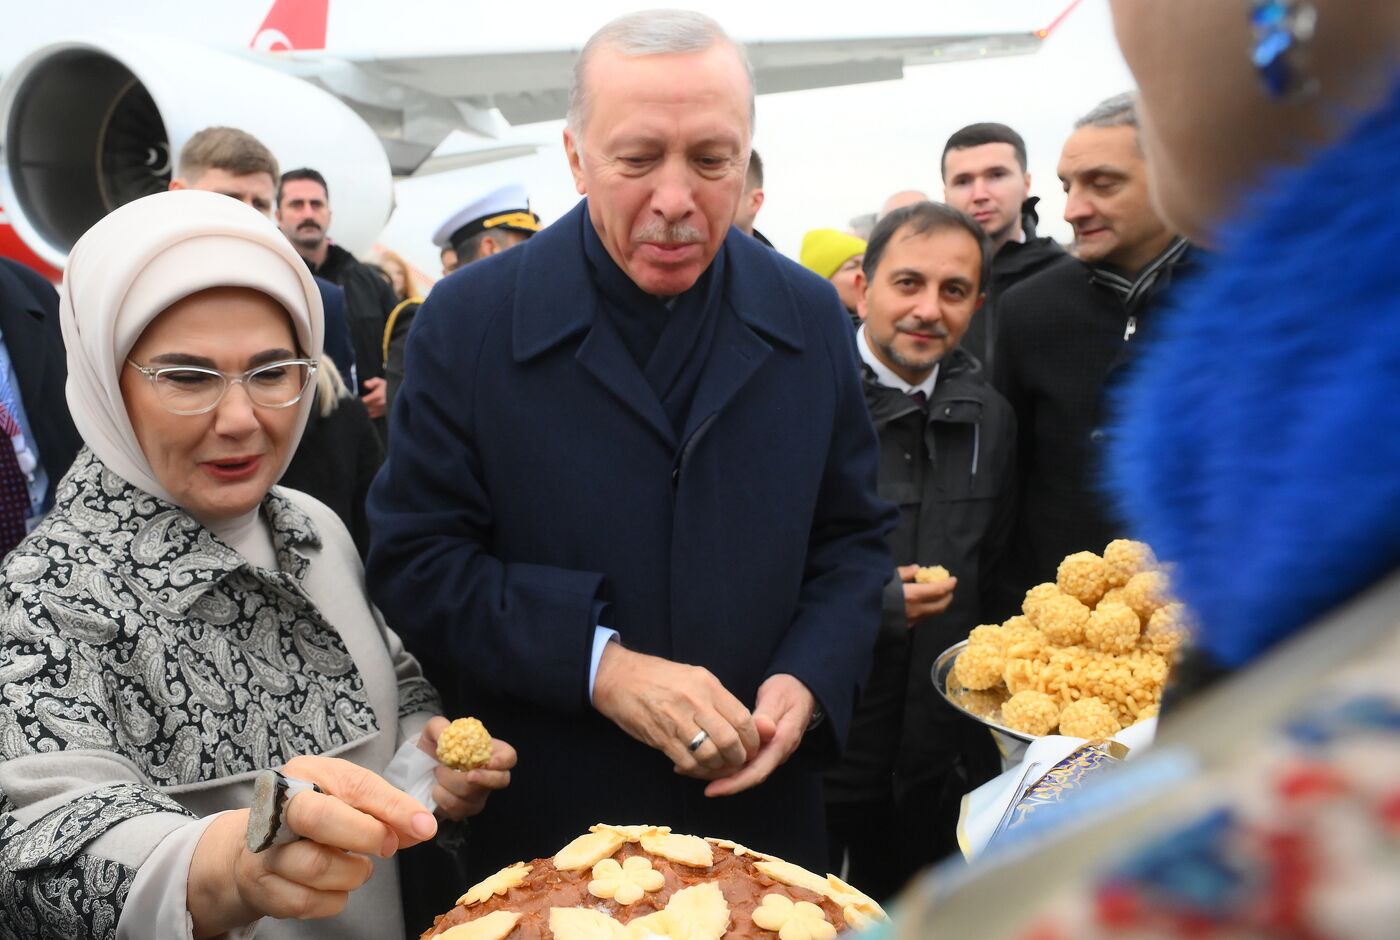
(293, 24)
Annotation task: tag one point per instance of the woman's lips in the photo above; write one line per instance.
(232, 469)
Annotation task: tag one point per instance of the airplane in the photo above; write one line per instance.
(93, 120)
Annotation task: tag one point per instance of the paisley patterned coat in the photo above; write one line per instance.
(147, 673)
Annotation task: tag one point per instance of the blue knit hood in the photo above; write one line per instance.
(1259, 447)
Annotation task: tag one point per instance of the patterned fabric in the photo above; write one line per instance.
(47, 890)
(1300, 842)
(129, 627)
(57, 838)
(14, 486)
(126, 626)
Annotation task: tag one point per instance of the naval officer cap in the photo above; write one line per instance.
(505, 208)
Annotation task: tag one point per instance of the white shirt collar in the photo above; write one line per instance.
(886, 376)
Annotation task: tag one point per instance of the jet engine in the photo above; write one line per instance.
(91, 124)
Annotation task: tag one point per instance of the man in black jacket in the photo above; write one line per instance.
(304, 215)
(40, 440)
(946, 442)
(984, 176)
(1066, 336)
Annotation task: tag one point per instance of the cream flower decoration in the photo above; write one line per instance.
(625, 883)
(800, 921)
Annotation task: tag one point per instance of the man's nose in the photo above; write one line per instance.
(1077, 207)
(674, 196)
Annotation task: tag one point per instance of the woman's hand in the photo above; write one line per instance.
(358, 816)
(459, 793)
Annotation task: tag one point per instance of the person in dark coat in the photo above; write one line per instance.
(339, 454)
(946, 459)
(40, 439)
(1067, 336)
(985, 176)
(632, 496)
(495, 222)
(304, 215)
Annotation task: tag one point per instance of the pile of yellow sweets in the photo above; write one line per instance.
(1088, 655)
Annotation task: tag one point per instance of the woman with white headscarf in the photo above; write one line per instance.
(178, 625)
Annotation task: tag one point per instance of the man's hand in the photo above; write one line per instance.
(781, 714)
(358, 817)
(924, 600)
(462, 793)
(664, 704)
(375, 397)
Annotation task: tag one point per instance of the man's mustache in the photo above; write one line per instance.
(674, 233)
(934, 327)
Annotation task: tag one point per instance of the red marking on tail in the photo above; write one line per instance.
(293, 24)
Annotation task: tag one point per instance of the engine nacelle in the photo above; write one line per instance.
(90, 124)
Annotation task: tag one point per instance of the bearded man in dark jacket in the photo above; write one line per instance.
(946, 460)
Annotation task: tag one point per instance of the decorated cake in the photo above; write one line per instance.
(635, 882)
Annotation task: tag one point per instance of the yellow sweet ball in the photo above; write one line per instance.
(1083, 576)
(464, 745)
(979, 667)
(931, 575)
(1145, 592)
(1037, 596)
(1090, 718)
(1126, 558)
(1167, 629)
(1113, 627)
(1031, 712)
(1061, 619)
(987, 635)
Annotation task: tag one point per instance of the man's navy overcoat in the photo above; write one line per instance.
(535, 485)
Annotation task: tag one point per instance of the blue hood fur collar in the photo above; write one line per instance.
(1260, 443)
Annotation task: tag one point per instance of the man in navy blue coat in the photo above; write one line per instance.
(631, 506)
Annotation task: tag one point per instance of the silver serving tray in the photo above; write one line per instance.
(942, 668)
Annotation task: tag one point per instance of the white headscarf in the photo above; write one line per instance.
(137, 262)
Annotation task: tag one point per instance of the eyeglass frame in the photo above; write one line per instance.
(229, 380)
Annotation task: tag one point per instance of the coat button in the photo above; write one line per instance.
(675, 476)
(1097, 435)
(908, 456)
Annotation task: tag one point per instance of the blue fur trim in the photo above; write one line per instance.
(1260, 444)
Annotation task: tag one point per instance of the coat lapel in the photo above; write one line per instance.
(604, 357)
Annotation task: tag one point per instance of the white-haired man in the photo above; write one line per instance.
(641, 524)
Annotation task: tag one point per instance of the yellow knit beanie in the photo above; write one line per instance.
(825, 249)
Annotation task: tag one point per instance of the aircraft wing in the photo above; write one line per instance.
(531, 86)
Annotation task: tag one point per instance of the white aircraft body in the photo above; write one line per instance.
(97, 98)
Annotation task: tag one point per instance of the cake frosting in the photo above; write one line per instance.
(638, 882)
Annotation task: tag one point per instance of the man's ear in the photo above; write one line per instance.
(862, 288)
(757, 197)
(487, 248)
(178, 183)
(575, 162)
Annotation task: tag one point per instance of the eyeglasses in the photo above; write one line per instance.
(195, 390)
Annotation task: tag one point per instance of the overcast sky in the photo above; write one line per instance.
(832, 154)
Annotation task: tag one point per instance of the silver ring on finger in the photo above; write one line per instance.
(700, 738)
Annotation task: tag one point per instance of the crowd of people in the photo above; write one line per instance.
(652, 501)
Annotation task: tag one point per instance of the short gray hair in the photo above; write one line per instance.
(1118, 111)
(651, 32)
